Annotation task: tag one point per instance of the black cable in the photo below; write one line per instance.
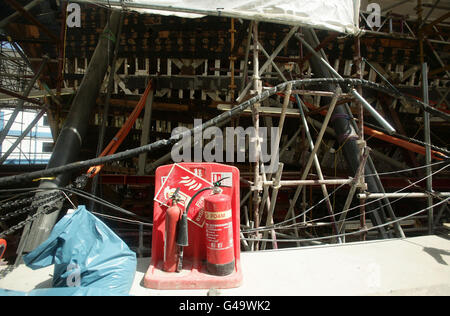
(364, 230)
(85, 195)
(104, 203)
(213, 122)
(277, 225)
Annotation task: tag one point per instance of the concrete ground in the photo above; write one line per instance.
(411, 266)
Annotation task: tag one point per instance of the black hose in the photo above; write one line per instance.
(213, 122)
(182, 234)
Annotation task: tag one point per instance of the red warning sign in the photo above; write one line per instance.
(189, 184)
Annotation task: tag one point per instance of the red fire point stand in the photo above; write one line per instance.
(189, 178)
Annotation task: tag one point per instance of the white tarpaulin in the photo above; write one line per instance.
(337, 15)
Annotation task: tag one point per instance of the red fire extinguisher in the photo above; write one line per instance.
(173, 215)
(219, 231)
(219, 235)
(2, 247)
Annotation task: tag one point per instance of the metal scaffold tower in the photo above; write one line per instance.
(359, 116)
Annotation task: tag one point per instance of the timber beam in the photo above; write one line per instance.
(15, 5)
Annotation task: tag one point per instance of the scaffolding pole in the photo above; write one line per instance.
(257, 85)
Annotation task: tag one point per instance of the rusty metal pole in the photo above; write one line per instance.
(257, 85)
(61, 57)
(247, 50)
(427, 132)
(232, 60)
(361, 142)
(355, 185)
(426, 115)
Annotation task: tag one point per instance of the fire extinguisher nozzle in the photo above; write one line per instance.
(182, 235)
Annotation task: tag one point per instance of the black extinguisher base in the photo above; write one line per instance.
(220, 269)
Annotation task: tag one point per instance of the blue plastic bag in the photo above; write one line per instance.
(87, 255)
(59, 291)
